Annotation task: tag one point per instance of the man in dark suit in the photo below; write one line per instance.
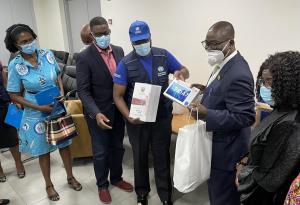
(95, 67)
(228, 109)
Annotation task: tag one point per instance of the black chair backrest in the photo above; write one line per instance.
(61, 56)
(70, 70)
(72, 59)
(69, 80)
(69, 83)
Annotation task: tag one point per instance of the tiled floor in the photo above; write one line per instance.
(30, 190)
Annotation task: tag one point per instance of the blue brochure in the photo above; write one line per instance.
(14, 116)
(46, 97)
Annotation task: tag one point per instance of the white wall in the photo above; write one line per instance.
(262, 27)
(51, 24)
(13, 12)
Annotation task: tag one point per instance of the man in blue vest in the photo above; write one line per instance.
(147, 64)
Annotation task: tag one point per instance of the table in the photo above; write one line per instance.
(180, 121)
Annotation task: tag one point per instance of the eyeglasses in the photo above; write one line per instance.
(141, 42)
(26, 41)
(101, 34)
(212, 44)
(267, 81)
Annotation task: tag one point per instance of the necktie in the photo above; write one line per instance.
(212, 76)
(216, 68)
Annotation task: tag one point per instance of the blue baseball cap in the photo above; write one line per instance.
(139, 30)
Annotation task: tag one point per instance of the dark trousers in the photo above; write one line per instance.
(158, 136)
(108, 151)
(222, 189)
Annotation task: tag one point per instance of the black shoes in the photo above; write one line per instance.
(143, 200)
(4, 201)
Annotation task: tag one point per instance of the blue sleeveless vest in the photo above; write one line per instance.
(160, 76)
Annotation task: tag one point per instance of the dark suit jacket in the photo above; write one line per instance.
(230, 103)
(95, 83)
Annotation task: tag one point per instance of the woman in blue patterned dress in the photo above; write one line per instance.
(31, 71)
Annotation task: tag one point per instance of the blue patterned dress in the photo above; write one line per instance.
(23, 75)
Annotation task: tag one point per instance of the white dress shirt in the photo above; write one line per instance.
(218, 68)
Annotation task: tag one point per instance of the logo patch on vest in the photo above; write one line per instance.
(25, 127)
(161, 71)
(22, 69)
(50, 58)
(40, 128)
(42, 80)
(42, 52)
(117, 75)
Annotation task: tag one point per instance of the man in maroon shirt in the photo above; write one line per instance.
(95, 67)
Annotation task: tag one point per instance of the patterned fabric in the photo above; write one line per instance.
(293, 196)
(60, 129)
(21, 74)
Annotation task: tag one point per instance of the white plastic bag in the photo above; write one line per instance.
(192, 157)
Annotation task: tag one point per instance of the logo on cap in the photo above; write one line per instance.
(138, 30)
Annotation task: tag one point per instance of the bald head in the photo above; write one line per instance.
(85, 34)
(220, 31)
(220, 36)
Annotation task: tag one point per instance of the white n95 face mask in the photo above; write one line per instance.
(216, 57)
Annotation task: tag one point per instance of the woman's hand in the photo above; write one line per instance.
(45, 108)
(238, 167)
(21, 102)
(61, 98)
(19, 105)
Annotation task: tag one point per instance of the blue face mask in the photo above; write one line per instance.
(266, 95)
(29, 48)
(103, 41)
(142, 49)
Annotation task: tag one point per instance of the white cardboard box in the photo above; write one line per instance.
(181, 92)
(145, 101)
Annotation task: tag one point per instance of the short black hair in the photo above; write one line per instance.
(12, 34)
(264, 66)
(98, 20)
(285, 70)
